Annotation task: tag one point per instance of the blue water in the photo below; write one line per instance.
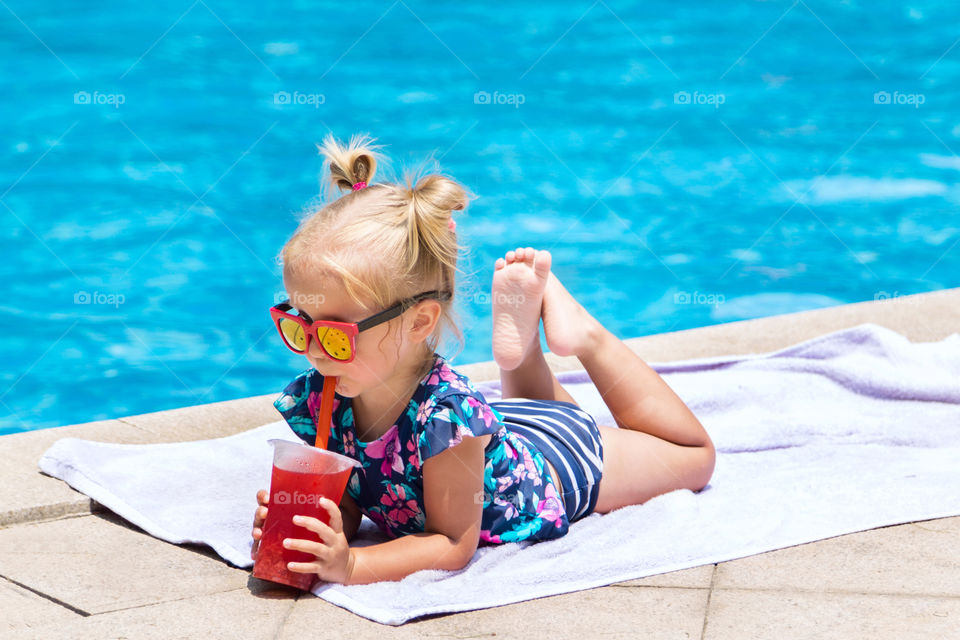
(686, 166)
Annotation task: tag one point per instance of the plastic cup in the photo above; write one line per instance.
(302, 475)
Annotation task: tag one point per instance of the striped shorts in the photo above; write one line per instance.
(569, 439)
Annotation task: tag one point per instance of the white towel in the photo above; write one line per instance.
(850, 431)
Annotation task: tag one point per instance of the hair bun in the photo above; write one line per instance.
(351, 164)
(441, 193)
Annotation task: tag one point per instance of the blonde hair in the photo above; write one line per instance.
(385, 242)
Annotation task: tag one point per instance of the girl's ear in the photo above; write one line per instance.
(425, 318)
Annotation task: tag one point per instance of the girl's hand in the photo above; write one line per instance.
(334, 559)
(258, 517)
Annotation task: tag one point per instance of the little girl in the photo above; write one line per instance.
(443, 470)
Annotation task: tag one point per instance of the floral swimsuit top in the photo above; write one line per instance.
(520, 501)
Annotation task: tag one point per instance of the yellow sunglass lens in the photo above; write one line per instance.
(294, 335)
(335, 342)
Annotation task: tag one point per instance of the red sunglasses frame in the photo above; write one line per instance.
(352, 329)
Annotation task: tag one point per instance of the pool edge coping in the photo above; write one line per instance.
(53, 499)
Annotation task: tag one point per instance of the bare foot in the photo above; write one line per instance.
(568, 327)
(518, 283)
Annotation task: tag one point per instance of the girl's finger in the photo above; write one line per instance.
(336, 519)
(263, 497)
(318, 527)
(307, 546)
(257, 533)
(304, 567)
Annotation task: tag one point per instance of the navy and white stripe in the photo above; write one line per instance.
(566, 436)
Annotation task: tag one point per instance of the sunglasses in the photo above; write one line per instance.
(337, 339)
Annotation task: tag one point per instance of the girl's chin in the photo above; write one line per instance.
(344, 390)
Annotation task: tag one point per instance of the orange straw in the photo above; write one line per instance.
(326, 411)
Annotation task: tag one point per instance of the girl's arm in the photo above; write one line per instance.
(351, 515)
(453, 502)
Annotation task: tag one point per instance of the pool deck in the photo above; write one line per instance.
(69, 569)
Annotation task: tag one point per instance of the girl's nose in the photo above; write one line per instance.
(316, 351)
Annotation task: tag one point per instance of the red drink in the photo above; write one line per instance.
(301, 476)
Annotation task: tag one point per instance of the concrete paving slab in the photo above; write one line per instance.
(916, 559)
(611, 612)
(28, 495)
(97, 563)
(228, 615)
(22, 610)
(693, 578)
(924, 317)
(479, 371)
(205, 421)
(812, 615)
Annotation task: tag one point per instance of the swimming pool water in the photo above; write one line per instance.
(685, 165)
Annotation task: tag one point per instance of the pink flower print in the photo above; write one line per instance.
(461, 433)
(487, 536)
(443, 373)
(473, 403)
(479, 410)
(388, 448)
(349, 443)
(398, 507)
(378, 519)
(313, 405)
(425, 409)
(529, 466)
(414, 459)
(459, 385)
(446, 373)
(486, 415)
(551, 507)
(509, 509)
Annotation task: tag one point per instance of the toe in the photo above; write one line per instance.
(541, 265)
(510, 256)
(499, 264)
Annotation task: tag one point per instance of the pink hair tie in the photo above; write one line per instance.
(359, 185)
(452, 225)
